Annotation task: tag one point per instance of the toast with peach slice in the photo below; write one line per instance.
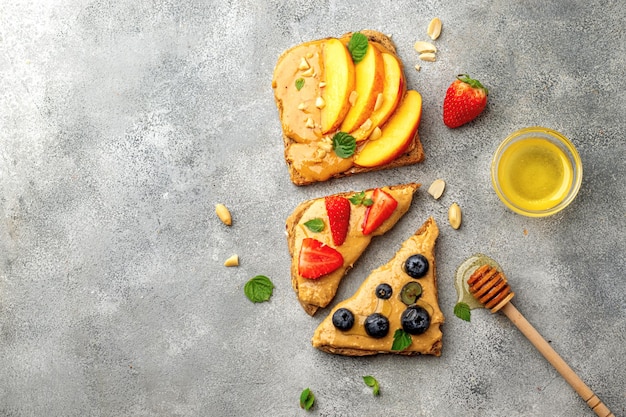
(395, 310)
(326, 236)
(335, 96)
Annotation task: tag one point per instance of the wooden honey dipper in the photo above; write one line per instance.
(489, 286)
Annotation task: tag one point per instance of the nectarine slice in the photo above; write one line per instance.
(391, 96)
(339, 76)
(370, 81)
(397, 133)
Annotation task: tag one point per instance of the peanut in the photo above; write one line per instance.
(223, 213)
(436, 188)
(454, 216)
(232, 261)
(434, 28)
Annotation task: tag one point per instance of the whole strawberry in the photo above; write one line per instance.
(465, 99)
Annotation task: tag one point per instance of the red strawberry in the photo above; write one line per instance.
(383, 207)
(465, 99)
(317, 259)
(338, 209)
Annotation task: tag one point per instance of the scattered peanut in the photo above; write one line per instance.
(302, 106)
(320, 103)
(232, 261)
(223, 213)
(376, 133)
(454, 216)
(434, 28)
(322, 84)
(309, 123)
(304, 64)
(436, 188)
(428, 56)
(308, 73)
(379, 101)
(366, 124)
(421, 47)
(353, 96)
(417, 67)
(320, 154)
(327, 146)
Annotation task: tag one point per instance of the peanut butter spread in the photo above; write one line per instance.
(296, 101)
(364, 302)
(320, 292)
(298, 81)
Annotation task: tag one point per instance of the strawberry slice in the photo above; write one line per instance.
(317, 259)
(338, 209)
(383, 207)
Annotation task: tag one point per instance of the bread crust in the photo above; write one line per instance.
(293, 220)
(413, 155)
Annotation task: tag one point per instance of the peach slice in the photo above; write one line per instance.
(397, 133)
(370, 81)
(340, 82)
(392, 94)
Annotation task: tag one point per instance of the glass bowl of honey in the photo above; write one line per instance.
(536, 171)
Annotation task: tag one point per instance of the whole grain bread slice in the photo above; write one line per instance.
(294, 227)
(414, 153)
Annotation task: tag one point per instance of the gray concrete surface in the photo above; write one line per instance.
(123, 123)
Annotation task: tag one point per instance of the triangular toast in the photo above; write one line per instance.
(388, 301)
(318, 292)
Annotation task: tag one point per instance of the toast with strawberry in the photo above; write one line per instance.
(344, 107)
(327, 235)
(395, 310)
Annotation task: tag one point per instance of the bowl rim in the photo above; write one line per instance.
(555, 137)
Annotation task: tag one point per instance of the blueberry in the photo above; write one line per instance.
(416, 266)
(411, 292)
(415, 320)
(384, 291)
(377, 325)
(343, 319)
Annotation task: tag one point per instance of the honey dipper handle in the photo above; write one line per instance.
(559, 364)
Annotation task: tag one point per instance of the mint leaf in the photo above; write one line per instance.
(258, 289)
(307, 399)
(315, 225)
(462, 311)
(344, 144)
(361, 198)
(370, 381)
(401, 340)
(357, 46)
(299, 84)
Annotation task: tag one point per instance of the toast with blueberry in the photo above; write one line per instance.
(396, 308)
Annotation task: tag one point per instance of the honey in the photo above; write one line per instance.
(536, 172)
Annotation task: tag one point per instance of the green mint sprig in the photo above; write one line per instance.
(259, 289)
(358, 46)
(315, 225)
(462, 311)
(401, 340)
(361, 198)
(307, 399)
(344, 144)
(370, 381)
